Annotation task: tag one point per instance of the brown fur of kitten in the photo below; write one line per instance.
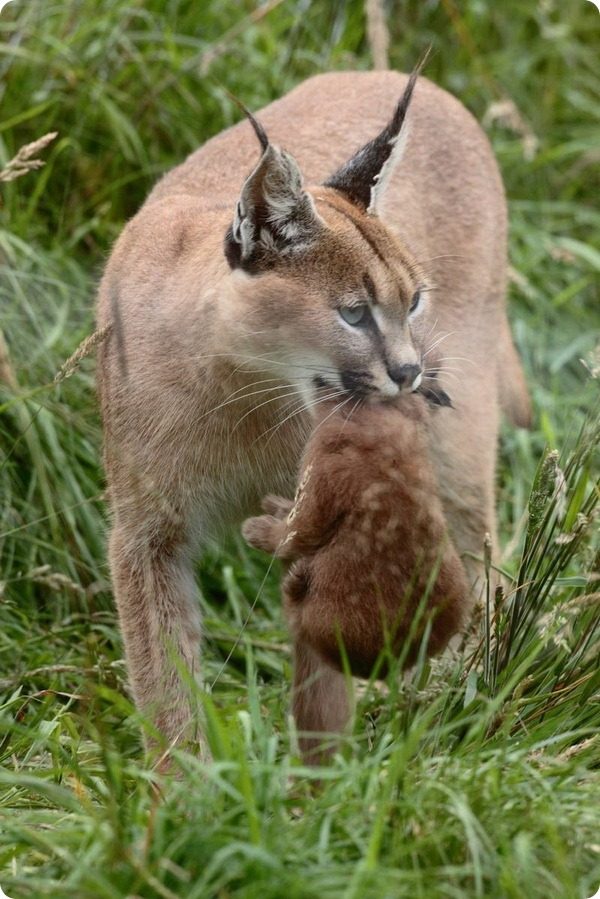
(372, 563)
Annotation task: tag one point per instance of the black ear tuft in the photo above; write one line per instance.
(258, 128)
(360, 178)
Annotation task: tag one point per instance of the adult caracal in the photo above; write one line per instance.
(238, 304)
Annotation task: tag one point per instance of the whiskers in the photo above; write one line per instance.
(304, 407)
(284, 394)
(336, 408)
(433, 376)
(245, 392)
(283, 362)
(439, 369)
(270, 390)
(442, 367)
(351, 413)
(437, 342)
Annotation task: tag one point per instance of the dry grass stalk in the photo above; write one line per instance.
(592, 363)
(84, 349)
(55, 580)
(7, 372)
(507, 114)
(378, 35)
(25, 160)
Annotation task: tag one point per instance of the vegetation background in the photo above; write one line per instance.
(479, 777)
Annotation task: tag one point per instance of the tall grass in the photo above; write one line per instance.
(478, 776)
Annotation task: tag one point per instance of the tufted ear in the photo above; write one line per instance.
(364, 177)
(274, 215)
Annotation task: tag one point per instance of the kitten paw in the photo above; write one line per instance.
(262, 532)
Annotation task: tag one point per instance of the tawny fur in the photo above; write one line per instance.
(191, 444)
(371, 564)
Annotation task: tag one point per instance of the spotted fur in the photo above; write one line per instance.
(372, 565)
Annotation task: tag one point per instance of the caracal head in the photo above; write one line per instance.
(324, 294)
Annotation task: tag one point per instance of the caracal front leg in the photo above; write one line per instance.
(157, 600)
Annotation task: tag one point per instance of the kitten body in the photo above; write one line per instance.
(372, 564)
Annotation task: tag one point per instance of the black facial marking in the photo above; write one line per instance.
(436, 396)
(322, 384)
(433, 393)
(370, 287)
(232, 249)
(355, 381)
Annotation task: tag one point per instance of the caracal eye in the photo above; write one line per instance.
(353, 315)
(415, 301)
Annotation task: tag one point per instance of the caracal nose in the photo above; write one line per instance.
(406, 376)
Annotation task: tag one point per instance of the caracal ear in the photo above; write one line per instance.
(274, 215)
(364, 177)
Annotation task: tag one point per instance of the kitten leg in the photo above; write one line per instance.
(278, 506)
(265, 532)
(320, 704)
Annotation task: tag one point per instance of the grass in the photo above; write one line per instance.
(480, 776)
